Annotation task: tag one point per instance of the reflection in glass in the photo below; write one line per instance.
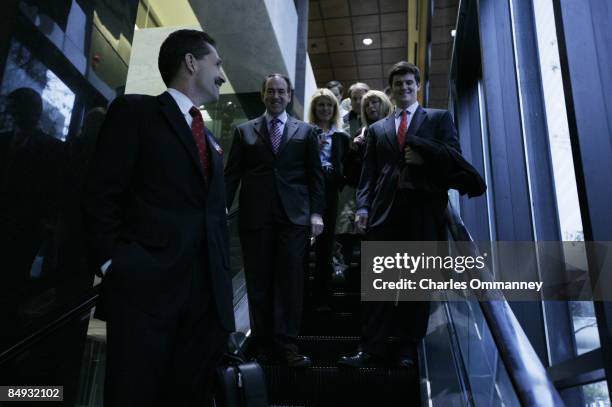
(23, 70)
(42, 266)
(596, 394)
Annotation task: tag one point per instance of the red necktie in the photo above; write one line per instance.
(401, 131)
(197, 129)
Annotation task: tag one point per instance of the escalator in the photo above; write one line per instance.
(325, 337)
(475, 354)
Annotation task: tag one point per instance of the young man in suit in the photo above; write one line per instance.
(276, 159)
(156, 217)
(407, 209)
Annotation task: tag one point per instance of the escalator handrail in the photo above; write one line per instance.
(526, 371)
(59, 319)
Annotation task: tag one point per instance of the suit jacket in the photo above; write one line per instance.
(149, 209)
(383, 162)
(454, 172)
(339, 150)
(353, 162)
(294, 173)
(352, 123)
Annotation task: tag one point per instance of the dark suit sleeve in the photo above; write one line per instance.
(110, 178)
(233, 168)
(446, 131)
(314, 172)
(369, 173)
(432, 148)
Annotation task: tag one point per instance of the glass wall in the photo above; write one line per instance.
(60, 65)
(520, 98)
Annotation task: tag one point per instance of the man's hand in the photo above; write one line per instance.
(361, 223)
(412, 157)
(360, 139)
(316, 224)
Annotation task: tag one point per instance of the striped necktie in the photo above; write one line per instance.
(275, 134)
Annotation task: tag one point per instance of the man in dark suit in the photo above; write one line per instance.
(399, 199)
(156, 216)
(276, 158)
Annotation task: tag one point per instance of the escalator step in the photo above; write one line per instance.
(326, 350)
(332, 386)
(330, 324)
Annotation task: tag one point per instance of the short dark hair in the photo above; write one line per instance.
(174, 48)
(23, 100)
(276, 75)
(403, 68)
(334, 84)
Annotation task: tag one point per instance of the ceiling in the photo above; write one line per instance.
(336, 29)
(174, 13)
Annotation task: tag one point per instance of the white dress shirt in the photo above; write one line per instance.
(184, 104)
(397, 114)
(282, 117)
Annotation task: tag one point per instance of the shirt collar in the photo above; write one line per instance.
(182, 100)
(411, 109)
(331, 131)
(282, 117)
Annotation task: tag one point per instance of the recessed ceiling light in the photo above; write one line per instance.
(367, 41)
(453, 33)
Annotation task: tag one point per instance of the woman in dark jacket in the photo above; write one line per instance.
(324, 113)
(375, 105)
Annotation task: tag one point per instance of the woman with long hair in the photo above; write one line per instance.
(375, 105)
(324, 113)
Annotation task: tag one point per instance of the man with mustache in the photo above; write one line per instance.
(156, 217)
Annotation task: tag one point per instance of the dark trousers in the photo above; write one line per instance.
(324, 246)
(165, 360)
(274, 270)
(413, 217)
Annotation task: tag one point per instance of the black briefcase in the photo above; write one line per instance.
(240, 383)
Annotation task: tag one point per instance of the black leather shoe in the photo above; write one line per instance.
(294, 359)
(406, 362)
(361, 359)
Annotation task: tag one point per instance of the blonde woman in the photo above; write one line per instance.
(324, 113)
(375, 105)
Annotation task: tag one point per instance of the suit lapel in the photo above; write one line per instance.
(214, 153)
(215, 168)
(419, 116)
(289, 131)
(180, 127)
(390, 132)
(260, 126)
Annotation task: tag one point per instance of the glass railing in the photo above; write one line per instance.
(477, 354)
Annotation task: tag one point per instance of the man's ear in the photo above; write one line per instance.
(189, 60)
